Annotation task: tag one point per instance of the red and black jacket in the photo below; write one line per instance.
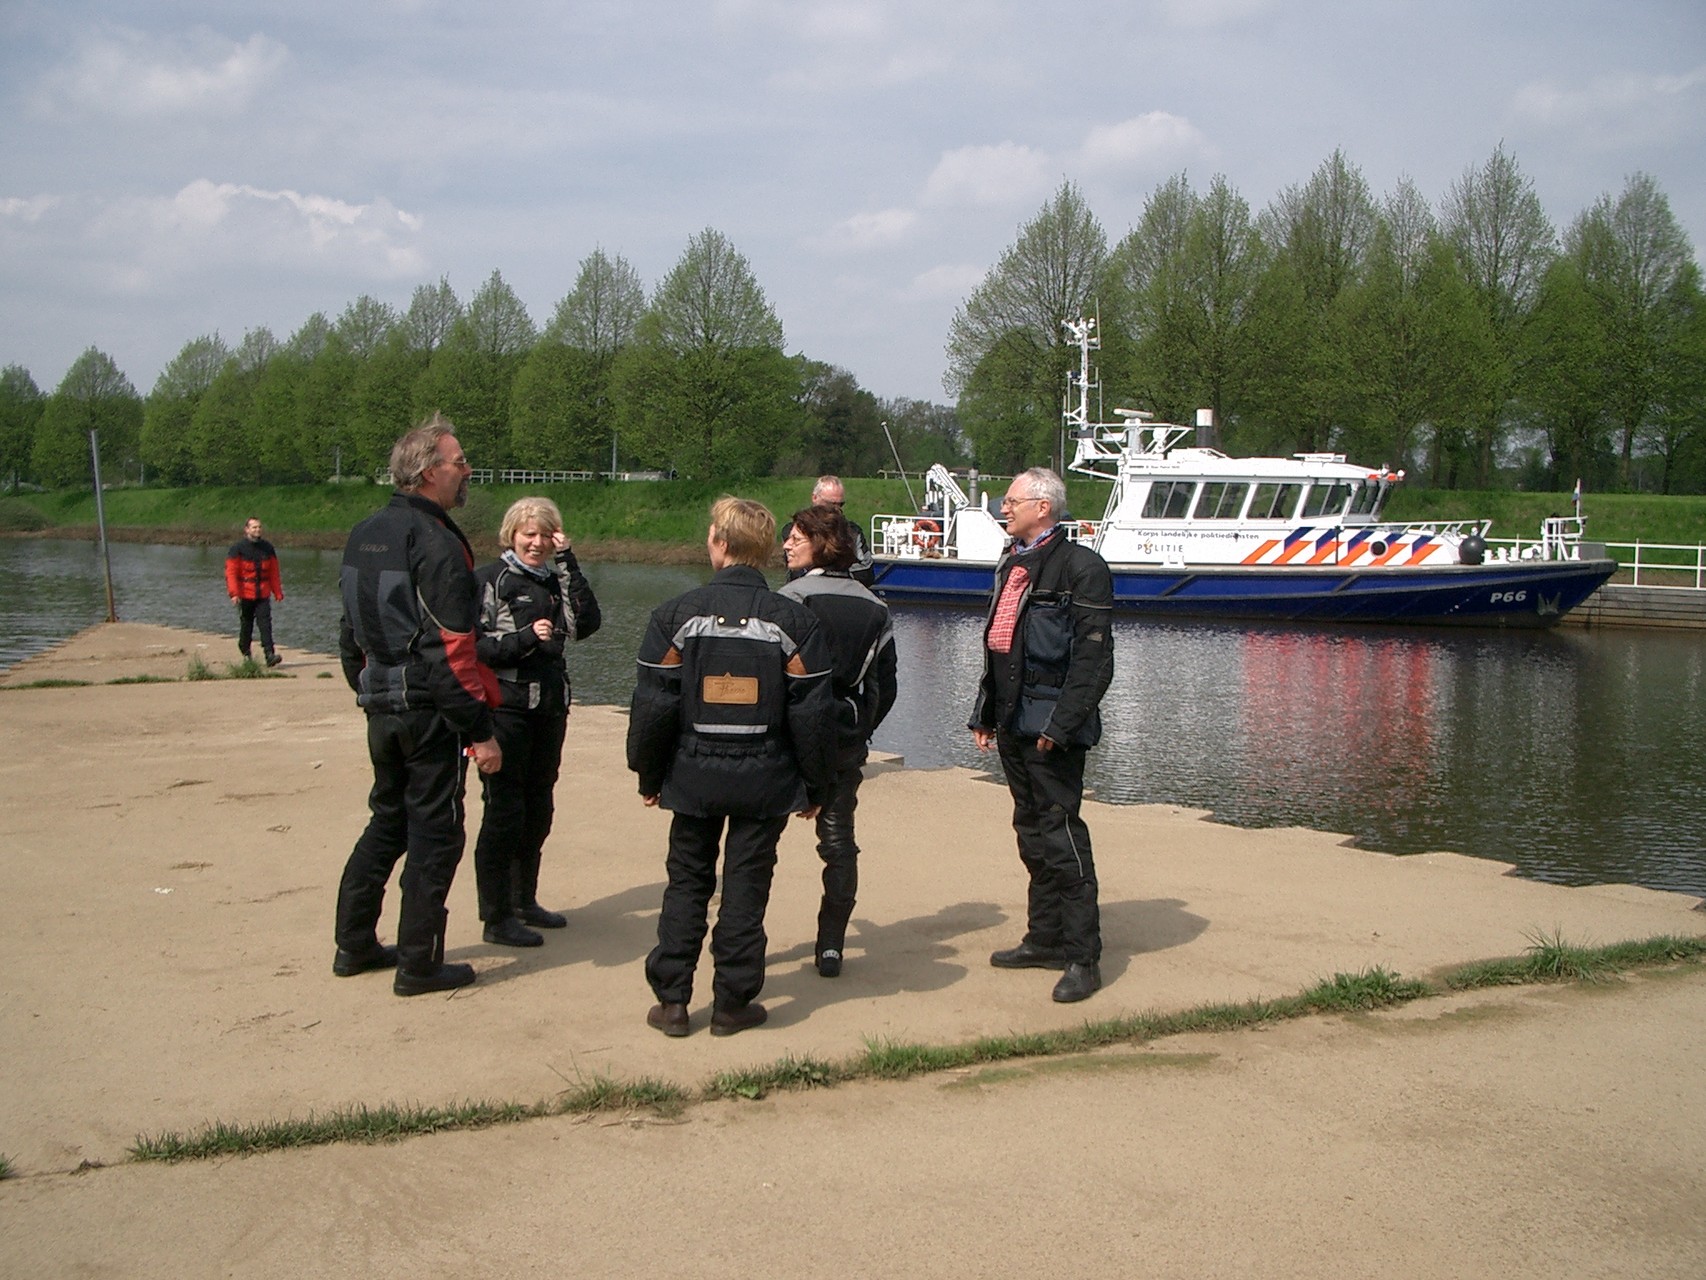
(407, 633)
(251, 571)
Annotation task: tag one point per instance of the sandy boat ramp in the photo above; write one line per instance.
(170, 854)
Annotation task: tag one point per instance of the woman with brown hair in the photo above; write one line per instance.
(861, 644)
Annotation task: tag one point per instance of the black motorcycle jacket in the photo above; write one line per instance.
(530, 671)
(732, 711)
(406, 638)
(862, 654)
(1062, 661)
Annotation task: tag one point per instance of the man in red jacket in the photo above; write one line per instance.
(252, 582)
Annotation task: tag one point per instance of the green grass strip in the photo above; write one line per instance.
(1548, 959)
(390, 1122)
(48, 684)
(1551, 959)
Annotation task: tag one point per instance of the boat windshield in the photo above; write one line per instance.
(1366, 500)
(1326, 498)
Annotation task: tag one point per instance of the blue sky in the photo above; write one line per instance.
(176, 168)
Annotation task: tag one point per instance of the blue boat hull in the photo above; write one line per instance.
(1526, 593)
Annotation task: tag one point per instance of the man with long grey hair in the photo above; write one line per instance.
(408, 649)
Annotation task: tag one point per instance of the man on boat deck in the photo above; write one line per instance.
(1048, 659)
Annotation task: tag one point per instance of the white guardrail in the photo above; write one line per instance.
(1640, 564)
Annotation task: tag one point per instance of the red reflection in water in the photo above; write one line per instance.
(1318, 708)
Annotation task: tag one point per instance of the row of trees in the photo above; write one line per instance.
(693, 379)
(1471, 345)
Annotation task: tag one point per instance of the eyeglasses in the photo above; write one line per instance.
(1013, 502)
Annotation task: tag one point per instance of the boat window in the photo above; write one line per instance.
(1366, 500)
(1326, 499)
(1275, 501)
(1220, 500)
(1169, 499)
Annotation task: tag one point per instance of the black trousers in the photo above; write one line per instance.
(519, 806)
(416, 806)
(249, 614)
(738, 941)
(840, 854)
(1054, 845)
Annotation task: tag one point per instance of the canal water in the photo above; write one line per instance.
(1577, 755)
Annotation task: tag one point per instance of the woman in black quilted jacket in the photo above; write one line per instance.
(533, 600)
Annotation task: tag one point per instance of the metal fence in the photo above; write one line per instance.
(1641, 564)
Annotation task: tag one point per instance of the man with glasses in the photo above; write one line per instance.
(1048, 659)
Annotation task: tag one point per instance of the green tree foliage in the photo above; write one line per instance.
(1564, 377)
(385, 401)
(1677, 436)
(840, 424)
(470, 378)
(705, 389)
(1504, 242)
(21, 405)
(563, 413)
(167, 448)
(1304, 376)
(1419, 345)
(924, 434)
(1179, 290)
(384, 365)
(601, 313)
(225, 434)
(1638, 268)
(94, 396)
(433, 312)
(1008, 357)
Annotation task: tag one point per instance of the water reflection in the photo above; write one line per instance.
(1579, 756)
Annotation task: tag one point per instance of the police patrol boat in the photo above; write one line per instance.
(1191, 533)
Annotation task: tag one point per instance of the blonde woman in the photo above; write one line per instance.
(533, 600)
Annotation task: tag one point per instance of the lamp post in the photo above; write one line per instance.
(101, 523)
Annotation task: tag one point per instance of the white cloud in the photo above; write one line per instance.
(1143, 142)
(125, 72)
(869, 230)
(26, 210)
(950, 280)
(156, 242)
(1147, 140)
(1006, 173)
(1620, 108)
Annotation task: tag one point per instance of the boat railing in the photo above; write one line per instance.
(1640, 564)
(909, 537)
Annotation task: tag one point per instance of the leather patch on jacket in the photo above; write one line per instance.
(730, 690)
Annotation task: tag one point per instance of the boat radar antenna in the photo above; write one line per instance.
(901, 465)
(1076, 418)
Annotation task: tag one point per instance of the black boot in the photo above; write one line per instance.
(507, 931)
(436, 975)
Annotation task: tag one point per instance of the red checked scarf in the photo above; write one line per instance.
(1007, 611)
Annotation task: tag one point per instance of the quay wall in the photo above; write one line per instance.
(1681, 608)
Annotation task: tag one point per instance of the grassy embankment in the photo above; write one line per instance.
(664, 521)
